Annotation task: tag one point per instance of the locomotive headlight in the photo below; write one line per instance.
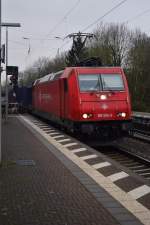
(103, 97)
(85, 116)
(123, 114)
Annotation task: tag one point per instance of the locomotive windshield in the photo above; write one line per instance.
(112, 81)
(89, 82)
(101, 82)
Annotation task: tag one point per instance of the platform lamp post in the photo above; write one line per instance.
(8, 25)
(28, 39)
(59, 38)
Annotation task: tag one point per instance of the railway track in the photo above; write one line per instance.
(136, 163)
(140, 135)
(141, 127)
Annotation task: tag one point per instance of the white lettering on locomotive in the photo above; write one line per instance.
(45, 97)
(105, 115)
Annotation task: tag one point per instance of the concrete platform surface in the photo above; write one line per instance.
(40, 184)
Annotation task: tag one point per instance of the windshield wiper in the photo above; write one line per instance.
(109, 89)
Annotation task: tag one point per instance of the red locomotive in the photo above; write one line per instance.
(92, 100)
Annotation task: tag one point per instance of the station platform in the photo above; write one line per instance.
(141, 114)
(43, 182)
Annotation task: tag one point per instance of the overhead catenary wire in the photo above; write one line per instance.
(64, 17)
(42, 39)
(17, 42)
(97, 20)
(107, 13)
(133, 18)
(138, 15)
(92, 24)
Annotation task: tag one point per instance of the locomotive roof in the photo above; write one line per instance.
(49, 77)
(66, 72)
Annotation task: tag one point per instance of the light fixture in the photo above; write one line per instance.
(103, 97)
(122, 114)
(85, 116)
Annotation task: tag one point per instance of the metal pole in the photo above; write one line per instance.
(6, 88)
(0, 89)
(6, 107)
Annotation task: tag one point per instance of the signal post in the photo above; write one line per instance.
(8, 25)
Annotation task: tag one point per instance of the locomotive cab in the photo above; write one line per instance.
(101, 104)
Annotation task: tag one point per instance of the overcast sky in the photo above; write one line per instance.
(43, 20)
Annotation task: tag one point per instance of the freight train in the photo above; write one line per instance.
(90, 101)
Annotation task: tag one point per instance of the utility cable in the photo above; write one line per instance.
(64, 17)
(138, 15)
(16, 42)
(107, 13)
(100, 18)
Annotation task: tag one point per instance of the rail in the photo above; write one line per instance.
(138, 164)
(141, 126)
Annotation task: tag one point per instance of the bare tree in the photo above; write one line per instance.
(112, 43)
(40, 68)
(139, 70)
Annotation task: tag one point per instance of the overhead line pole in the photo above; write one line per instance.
(0, 88)
(6, 89)
(6, 109)
(100, 18)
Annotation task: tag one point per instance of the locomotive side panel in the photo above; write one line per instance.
(73, 97)
(46, 99)
(64, 98)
